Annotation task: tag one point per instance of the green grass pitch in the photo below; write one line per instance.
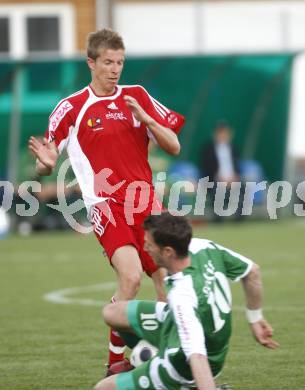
(52, 346)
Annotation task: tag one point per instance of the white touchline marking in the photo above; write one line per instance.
(64, 296)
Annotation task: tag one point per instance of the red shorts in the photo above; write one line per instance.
(112, 231)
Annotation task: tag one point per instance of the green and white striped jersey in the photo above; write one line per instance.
(198, 316)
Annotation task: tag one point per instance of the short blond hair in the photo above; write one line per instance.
(103, 39)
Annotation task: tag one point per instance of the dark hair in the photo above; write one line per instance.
(222, 124)
(170, 230)
(103, 39)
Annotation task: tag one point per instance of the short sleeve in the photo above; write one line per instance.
(236, 266)
(163, 115)
(60, 122)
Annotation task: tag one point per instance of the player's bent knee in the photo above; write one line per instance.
(115, 314)
(108, 313)
(134, 280)
(131, 285)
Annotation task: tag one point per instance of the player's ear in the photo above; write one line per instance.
(168, 251)
(91, 63)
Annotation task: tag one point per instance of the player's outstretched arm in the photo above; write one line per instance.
(46, 155)
(166, 138)
(261, 329)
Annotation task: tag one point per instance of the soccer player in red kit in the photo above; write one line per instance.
(106, 129)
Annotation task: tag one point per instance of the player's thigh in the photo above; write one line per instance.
(149, 266)
(127, 263)
(145, 318)
(111, 228)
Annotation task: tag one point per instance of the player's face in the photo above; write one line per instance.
(106, 70)
(153, 249)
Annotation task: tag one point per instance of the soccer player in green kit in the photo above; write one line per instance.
(192, 330)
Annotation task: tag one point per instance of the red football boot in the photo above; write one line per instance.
(118, 367)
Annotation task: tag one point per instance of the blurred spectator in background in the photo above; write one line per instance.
(220, 163)
(46, 218)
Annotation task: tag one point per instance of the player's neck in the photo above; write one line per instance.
(178, 265)
(100, 90)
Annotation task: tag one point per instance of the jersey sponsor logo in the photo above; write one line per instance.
(112, 106)
(59, 114)
(95, 123)
(209, 277)
(218, 293)
(172, 119)
(117, 116)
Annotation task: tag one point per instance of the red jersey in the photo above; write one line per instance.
(107, 146)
